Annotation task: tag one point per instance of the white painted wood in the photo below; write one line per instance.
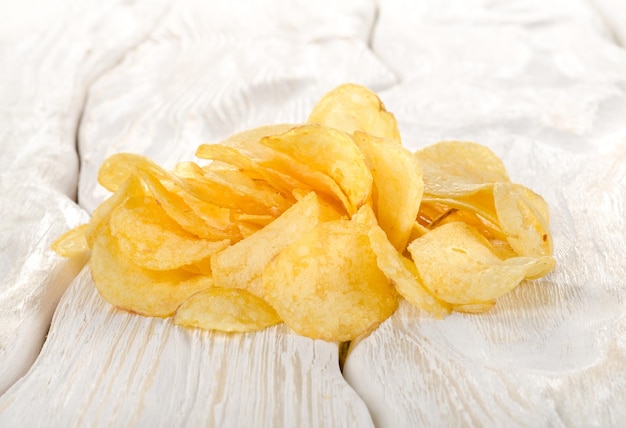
(104, 367)
(49, 54)
(202, 74)
(210, 70)
(541, 83)
(550, 99)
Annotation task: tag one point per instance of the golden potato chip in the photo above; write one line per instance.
(279, 166)
(232, 156)
(398, 186)
(72, 243)
(487, 229)
(522, 221)
(310, 223)
(536, 267)
(298, 176)
(458, 266)
(261, 220)
(417, 231)
(234, 189)
(131, 187)
(201, 267)
(308, 179)
(248, 142)
(226, 309)
(327, 285)
(118, 167)
(342, 160)
(351, 108)
(403, 274)
(477, 207)
(240, 264)
(147, 235)
(365, 216)
(454, 168)
(208, 227)
(475, 308)
(133, 288)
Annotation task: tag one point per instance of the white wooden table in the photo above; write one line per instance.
(541, 83)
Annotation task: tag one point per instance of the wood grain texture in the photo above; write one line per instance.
(209, 71)
(541, 83)
(105, 367)
(202, 74)
(49, 55)
(550, 101)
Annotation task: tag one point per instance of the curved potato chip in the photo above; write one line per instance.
(72, 243)
(454, 168)
(232, 156)
(327, 285)
(296, 176)
(342, 160)
(240, 264)
(458, 266)
(479, 206)
(536, 267)
(148, 236)
(351, 107)
(475, 308)
(403, 274)
(248, 142)
(118, 167)
(308, 178)
(520, 216)
(135, 289)
(129, 188)
(226, 309)
(397, 186)
(207, 227)
(235, 190)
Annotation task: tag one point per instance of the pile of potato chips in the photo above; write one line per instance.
(323, 225)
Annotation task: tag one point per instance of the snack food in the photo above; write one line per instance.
(323, 225)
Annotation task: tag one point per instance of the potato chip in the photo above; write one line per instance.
(520, 215)
(403, 274)
(248, 142)
(474, 308)
(417, 230)
(458, 266)
(232, 156)
(235, 190)
(309, 223)
(226, 309)
(133, 288)
(327, 285)
(308, 179)
(397, 186)
(72, 243)
(342, 160)
(351, 108)
(118, 167)
(284, 170)
(171, 191)
(151, 239)
(454, 168)
(477, 207)
(240, 264)
(131, 187)
(536, 267)
(207, 227)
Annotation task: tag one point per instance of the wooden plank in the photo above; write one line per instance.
(104, 367)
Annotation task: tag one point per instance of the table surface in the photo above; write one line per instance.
(543, 84)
